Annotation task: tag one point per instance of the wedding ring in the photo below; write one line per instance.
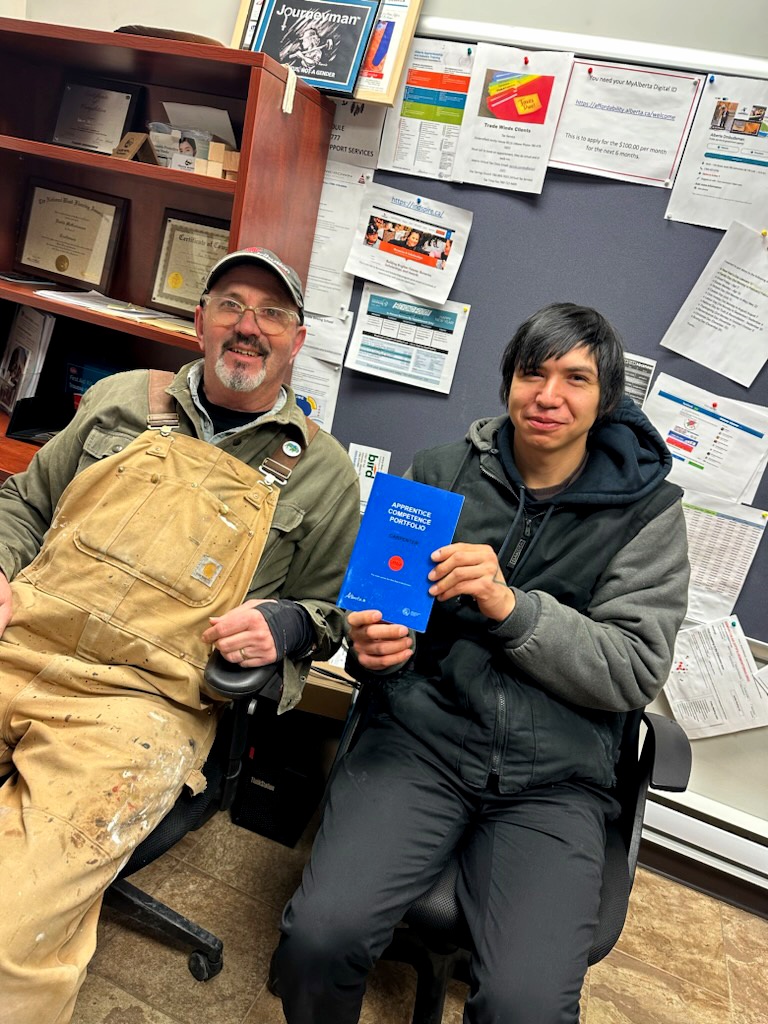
(243, 655)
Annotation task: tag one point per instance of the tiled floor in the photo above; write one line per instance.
(683, 958)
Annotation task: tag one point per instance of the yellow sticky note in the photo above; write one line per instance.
(527, 104)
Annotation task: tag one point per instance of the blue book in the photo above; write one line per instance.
(404, 523)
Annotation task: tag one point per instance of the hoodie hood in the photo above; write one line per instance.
(627, 457)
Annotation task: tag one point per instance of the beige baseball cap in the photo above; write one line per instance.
(265, 258)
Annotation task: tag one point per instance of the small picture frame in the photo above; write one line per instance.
(94, 114)
(245, 24)
(323, 41)
(190, 244)
(69, 234)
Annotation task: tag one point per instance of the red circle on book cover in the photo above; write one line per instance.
(395, 563)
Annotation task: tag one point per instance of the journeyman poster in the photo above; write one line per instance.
(323, 41)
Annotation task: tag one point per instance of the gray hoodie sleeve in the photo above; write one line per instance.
(617, 655)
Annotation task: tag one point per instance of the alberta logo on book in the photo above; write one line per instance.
(408, 613)
(411, 613)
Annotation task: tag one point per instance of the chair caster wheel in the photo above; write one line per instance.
(202, 967)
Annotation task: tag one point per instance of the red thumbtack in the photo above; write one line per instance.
(525, 60)
(589, 71)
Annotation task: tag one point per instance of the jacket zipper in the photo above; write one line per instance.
(501, 699)
(498, 731)
(521, 545)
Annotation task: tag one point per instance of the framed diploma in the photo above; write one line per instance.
(95, 114)
(69, 234)
(190, 245)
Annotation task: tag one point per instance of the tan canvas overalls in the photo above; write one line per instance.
(100, 702)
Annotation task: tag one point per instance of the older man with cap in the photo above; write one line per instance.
(144, 535)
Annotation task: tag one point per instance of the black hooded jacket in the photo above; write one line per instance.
(600, 574)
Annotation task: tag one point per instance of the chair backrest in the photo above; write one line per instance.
(633, 772)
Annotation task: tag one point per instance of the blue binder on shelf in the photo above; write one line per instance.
(404, 523)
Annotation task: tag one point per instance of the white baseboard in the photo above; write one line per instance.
(706, 838)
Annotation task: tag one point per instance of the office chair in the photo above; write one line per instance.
(190, 812)
(433, 937)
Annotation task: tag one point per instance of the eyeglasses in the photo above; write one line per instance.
(229, 312)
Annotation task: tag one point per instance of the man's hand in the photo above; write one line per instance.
(472, 569)
(243, 636)
(6, 602)
(378, 645)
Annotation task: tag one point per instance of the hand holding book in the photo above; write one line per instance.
(405, 522)
(472, 570)
(378, 645)
(461, 570)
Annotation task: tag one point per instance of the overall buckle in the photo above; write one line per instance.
(275, 472)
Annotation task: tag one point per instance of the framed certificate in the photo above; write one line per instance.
(189, 247)
(95, 114)
(69, 234)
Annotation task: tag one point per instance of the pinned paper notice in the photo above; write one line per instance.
(368, 462)
(714, 686)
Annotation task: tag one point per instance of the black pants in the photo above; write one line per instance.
(529, 884)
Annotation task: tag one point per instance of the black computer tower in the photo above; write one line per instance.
(283, 772)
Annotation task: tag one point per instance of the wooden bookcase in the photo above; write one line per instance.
(273, 203)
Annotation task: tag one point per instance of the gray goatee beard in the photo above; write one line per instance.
(239, 377)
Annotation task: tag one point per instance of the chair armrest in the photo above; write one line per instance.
(232, 681)
(670, 753)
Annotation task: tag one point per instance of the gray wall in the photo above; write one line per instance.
(588, 240)
(739, 28)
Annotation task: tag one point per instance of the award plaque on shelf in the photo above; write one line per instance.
(69, 234)
(95, 115)
(189, 246)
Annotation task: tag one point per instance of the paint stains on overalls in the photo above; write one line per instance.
(102, 718)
